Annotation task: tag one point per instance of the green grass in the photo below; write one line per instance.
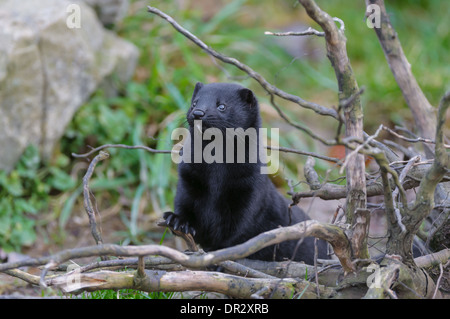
(124, 294)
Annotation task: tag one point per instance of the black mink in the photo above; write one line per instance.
(225, 204)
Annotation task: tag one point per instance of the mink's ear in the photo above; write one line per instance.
(247, 96)
(198, 86)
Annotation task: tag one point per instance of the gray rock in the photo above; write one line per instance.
(48, 70)
(109, 11)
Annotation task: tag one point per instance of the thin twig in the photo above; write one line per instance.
(411, 140)
(152, 150)
(405, 171)
(87, 197)
(237, 268)
(316, 253)
(396, 191)
(149, 149)
(298, 126)
(291, 150)
(358, 148)
(309, 31)
(341, 22)
(438, 282)
(382, 161)
(51, 264)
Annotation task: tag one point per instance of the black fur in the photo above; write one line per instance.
(224, 204)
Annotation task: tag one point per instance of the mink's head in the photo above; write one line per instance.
(224, 105)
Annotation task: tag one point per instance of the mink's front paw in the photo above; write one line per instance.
(174, 221)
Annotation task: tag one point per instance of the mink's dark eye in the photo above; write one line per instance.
(221, 107)
(194, 103)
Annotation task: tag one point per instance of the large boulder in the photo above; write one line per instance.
(53, 55)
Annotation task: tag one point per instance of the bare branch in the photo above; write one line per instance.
(343, 104)
(400, 240)
(87, 197)
(434, 259)
(234, 286)
(412, 140)
(32, 279)
(141, 267)
(394, 216)
(360, 233)
(242, 270)
(420, 107)
(331, 233)
(442, 159)
(403, 175)
(367, 141)
(438, 282)
(348, 88)
(271, 89)
(152, 150)
(312, 178)
(298, 126)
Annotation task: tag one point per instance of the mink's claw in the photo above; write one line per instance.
(168, 217)
(176, 223)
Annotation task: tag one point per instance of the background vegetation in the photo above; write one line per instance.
(43, 199)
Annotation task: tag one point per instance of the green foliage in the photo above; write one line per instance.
(24, 193)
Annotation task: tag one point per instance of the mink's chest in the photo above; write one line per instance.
(219, 187)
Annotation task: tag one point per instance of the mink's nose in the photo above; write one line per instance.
(198, 114)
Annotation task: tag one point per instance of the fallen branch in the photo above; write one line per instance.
(331, 233)
(440, 257)
(233, 286)
(181, 280)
